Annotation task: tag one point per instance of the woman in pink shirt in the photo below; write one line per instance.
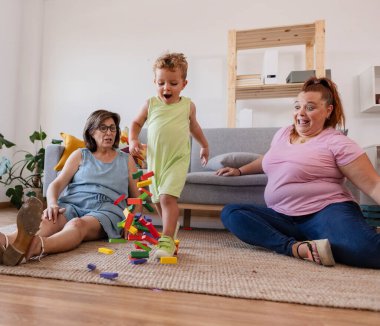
(310, 213)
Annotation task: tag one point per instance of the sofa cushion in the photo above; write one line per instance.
(210, 178)
(71, 143)
(232, 160)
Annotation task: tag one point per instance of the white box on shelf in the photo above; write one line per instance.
(270, 66)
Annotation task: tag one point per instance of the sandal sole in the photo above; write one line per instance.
(28, 223)
(324, 251)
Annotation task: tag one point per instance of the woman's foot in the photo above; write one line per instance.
(4, 242)
(28, 223)
(318, 251)
(36, 249)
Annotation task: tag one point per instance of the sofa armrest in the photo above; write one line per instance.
(53, 154)
(373, 153)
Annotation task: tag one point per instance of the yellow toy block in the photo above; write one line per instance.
(106, 251)
(176, 242)
(144, 183)
(168, 260)
(132, 229)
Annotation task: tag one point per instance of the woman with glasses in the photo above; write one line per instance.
(310, 213)
(93, 178)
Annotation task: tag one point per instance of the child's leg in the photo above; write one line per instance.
(169, 214)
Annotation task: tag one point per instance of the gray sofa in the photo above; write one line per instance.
(203, 189)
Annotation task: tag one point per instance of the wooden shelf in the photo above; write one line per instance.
(267, 91)
(310, 35)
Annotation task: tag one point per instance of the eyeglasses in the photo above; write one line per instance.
(104, 128)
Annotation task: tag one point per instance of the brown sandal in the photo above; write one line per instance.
(323, 250)
(28, 223)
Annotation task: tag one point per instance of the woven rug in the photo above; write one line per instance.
(215, 262)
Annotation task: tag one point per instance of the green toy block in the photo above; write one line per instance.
(148, 207)
(140, 254)
(137, 174)
(142, 246)
(119, 240)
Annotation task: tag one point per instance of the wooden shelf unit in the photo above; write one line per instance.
(310, 35)
(369, 87)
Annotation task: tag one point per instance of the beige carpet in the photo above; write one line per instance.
(215, 262)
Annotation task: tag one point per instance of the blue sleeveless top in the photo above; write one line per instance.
(96, 177)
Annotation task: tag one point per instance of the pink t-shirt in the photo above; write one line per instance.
(305, 178)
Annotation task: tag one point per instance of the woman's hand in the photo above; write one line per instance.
(228, 172)
(52, 211)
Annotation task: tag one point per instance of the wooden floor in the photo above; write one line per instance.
(33, 301)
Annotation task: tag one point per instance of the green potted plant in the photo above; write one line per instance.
(24, 177)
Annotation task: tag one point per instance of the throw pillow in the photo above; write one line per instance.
(232, 160)
(71, 143)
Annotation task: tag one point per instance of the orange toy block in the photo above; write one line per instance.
(134, 201)
(147, 175)
(144, 183)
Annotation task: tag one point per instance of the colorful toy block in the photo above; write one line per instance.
(139, 254)
(106, 251)
(134, 201)
(152, 230)
(132, 230)
(133, 237)
(144, 183)
(121, 198)
(117, 240)
(143, 196)
(168, 260)
(148, 207)
(131, 208)
(142, 221)
(91, 267)
(147, 175)
(109, 275)
(138, 261)
(149, 239)
(137, 174)
(146, 191)
(140, 245)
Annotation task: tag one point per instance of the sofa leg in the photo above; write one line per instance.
(186, 217)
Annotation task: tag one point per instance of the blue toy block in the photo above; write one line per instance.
(138, 261)
(91, 267)
(109, 275)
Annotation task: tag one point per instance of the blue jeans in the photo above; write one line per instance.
(353, 241)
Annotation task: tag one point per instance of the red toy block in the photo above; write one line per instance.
(149, 239)
(146, 191)
(135, 237)
(128, 221)
(142, 221)
(117, 201)
(134, 201)
(152, 230)
(147, 175)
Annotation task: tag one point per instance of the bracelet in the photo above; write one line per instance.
(240, 172)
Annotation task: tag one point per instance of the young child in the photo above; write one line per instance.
(171, 118)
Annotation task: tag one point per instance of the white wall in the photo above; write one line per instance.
(98, 54)
(20, 67)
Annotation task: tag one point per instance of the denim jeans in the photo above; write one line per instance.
(353, 241)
